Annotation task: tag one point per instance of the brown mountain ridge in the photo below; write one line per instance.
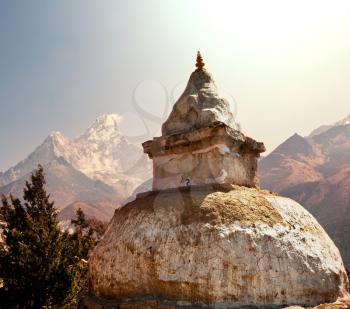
(315, 171)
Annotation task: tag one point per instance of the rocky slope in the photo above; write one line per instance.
(100, 168)
(315, 171)
(219, 246)
(67, 185)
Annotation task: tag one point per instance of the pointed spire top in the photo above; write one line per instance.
(199, 61)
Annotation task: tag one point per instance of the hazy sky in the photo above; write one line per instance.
(286, 64)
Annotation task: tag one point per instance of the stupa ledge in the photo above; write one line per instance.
(201, 139)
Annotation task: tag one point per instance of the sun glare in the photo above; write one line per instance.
(271, 20)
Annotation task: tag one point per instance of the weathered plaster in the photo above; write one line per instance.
(216, 154)
(210, 165)
(223, 248)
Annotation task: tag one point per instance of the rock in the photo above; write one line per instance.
(216, 247)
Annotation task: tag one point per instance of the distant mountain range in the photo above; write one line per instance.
(315, 171)
(98, 170)
(101, 169)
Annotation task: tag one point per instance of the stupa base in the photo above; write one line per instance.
(93, 302)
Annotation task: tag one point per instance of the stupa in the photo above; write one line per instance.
(206, 236)
(199, 144)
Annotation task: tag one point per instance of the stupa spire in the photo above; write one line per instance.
(199, 61)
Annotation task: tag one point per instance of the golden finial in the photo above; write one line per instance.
(199, 61)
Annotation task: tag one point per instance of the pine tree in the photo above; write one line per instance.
(82, 238)
(87, 232)
(38, 264)
(80, 220)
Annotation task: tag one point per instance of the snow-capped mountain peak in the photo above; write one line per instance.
(54, 138)
(56, 135)
(57, 140)
(100, 168)
(324, 128)
(102, 153)
(105, 128)
(108, 120)
(342, 122)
